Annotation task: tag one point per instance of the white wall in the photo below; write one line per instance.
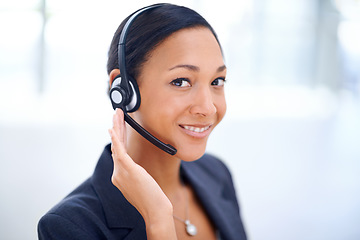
(291, 135)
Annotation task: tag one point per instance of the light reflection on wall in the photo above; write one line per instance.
(349, 38)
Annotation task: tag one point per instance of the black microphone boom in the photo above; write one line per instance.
(148, 136)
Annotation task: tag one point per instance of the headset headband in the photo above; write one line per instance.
(122, 39)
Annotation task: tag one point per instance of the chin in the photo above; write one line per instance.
(192, 154)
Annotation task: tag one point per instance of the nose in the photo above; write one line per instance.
(203, 102)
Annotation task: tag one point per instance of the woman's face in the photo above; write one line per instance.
(182, 92)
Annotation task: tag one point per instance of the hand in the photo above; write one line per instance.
(138, 187)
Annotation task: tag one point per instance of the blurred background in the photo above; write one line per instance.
(291, 135)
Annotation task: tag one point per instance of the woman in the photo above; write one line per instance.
(139, 191)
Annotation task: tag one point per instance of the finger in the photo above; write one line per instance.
(119, 124)
(120, 114)
(117, 146)
(118, 139)
(122, 161)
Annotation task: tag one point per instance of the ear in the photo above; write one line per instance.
(115, 72)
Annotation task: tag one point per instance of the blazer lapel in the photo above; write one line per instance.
(222, 211)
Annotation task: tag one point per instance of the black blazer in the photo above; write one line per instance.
(98, 210)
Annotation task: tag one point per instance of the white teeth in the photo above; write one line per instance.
(195, 129)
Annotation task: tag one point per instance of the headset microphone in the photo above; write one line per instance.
(124, 92)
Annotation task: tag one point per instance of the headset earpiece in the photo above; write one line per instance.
(125, 94)
(118, 94)
(135, 98)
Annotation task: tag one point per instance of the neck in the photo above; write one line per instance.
(163, 167)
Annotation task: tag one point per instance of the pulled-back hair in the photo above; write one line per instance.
(148, 30)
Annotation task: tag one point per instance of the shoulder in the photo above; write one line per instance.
(78, 216)
(83, 199)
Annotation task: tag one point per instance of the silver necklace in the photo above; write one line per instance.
(190, 228)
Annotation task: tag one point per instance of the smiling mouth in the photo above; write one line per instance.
(196, 129)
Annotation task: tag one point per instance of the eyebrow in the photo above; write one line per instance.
(195, 68)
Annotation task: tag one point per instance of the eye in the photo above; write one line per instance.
(219, 82)
(181, 82)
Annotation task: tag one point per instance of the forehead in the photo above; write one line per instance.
(188, 46)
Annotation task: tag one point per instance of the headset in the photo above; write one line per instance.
(124, 92)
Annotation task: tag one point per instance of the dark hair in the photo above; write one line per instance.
(148, 30)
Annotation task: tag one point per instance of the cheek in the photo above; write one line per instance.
(158, 111)
(170, 110)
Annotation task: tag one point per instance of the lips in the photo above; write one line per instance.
(196, 129)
